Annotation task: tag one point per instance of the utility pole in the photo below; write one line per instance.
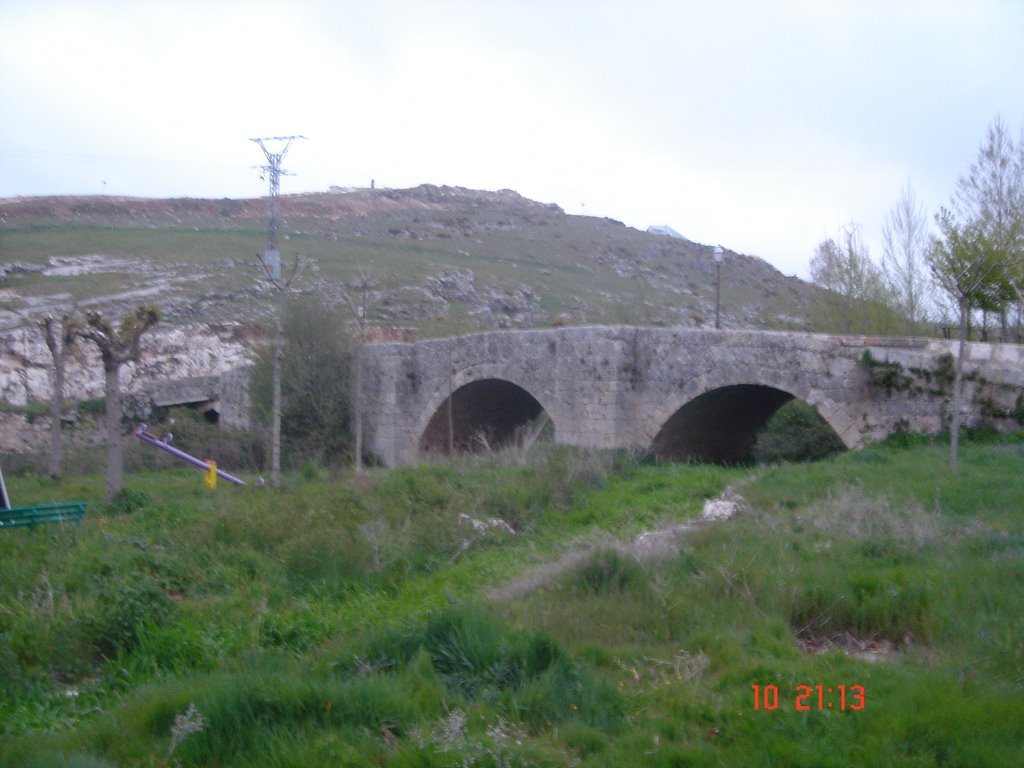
(271, 261)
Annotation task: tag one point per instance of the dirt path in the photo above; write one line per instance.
(658, 544)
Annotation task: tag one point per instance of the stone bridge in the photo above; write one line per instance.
(690, 394)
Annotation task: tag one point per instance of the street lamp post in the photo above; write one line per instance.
(719, 255)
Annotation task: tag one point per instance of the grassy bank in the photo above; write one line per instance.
(346, 622)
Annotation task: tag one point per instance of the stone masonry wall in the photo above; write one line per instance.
(616, 386)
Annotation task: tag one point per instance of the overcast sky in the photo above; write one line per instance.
(762, 125)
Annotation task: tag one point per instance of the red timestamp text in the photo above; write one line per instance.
(808, 697)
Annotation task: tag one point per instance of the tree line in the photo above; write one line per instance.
(966, 270)
(965, 267)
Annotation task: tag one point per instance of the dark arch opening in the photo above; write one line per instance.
(485, 413)
(719, 426)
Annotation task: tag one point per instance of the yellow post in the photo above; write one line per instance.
(210, 478)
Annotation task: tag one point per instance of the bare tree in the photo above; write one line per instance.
(60, 341)
(857, 299)
(117, 347)
(904, 258)
(359, 300)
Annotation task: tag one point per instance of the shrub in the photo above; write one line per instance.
(14, 680)
(95, 407)
(126, 501)
(796, 432)
(122, 611)
(473, 653)
(314, 383)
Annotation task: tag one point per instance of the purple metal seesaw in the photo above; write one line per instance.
(140, 432)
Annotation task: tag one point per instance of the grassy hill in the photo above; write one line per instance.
(358, 622)
(443, 260)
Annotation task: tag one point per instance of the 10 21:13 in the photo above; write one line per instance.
(808, 697)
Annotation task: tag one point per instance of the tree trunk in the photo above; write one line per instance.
(56, 399)
(275, 418)
(451, 395)
(357, 415)
(115, 450)
(958, 389)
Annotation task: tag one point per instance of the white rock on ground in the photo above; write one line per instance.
(718, 509)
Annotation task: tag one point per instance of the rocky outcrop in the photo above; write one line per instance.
(180, 364)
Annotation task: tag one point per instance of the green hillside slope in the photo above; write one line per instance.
(441, 259)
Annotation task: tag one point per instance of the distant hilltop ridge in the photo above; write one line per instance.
(440, 259)
(178, 209)
(664, 229)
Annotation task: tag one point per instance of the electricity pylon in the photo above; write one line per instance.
(272, 171)
(271, 261)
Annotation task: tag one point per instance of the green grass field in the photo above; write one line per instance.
(344, 621)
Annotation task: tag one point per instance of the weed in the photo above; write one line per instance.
(121, 612)
(607, 571)
(849, 512)
(126, 501)
(188, 722)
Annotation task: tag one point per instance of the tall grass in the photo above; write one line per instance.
(341, 621)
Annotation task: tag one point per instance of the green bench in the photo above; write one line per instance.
(42, 513)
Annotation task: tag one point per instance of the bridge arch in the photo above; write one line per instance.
(721, 422)
(485, 410)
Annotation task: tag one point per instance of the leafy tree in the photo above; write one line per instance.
(974, 273)
(978, 258)
(992, 193)
(117, 346)
(59, 340)
(315, 364)
(857, 299)
(904, 258)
